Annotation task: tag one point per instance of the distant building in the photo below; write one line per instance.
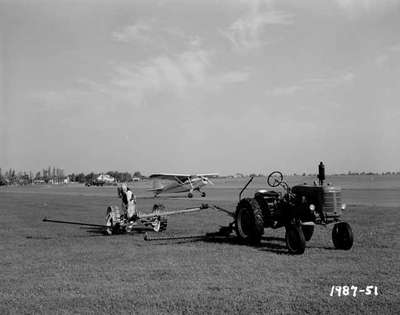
(105, 178)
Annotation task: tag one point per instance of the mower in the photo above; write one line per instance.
(297, 209)
(118, 223)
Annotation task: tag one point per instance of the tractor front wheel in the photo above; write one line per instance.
(249, 223)
(342, 236)
(295, 239)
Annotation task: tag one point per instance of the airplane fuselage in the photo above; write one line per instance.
(186, 186)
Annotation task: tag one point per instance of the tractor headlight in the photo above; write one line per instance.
(343, 206)
(312, 207)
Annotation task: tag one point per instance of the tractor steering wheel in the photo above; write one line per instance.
(275, 179)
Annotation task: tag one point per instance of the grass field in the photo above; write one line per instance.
(60, 269)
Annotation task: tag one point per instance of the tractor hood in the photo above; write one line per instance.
(308, 191)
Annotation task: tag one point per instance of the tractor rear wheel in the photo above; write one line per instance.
(295, 240)
(249, 223)
(342, 236)
(308, 231)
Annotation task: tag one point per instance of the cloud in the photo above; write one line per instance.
(232, 77)
(313, 84)
(330, 82)
(163, 73)
(395, 47)
(183, 67)
(136, 32)
(245, 33)
(152, 33)
(173, 76)
(285, 90)
(386, 54)
(357, 8)
(381, 59)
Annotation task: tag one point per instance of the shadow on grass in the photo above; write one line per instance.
(135, 230)
(38, 237)
(33, 237)
(275, 245)
(322, 247)
(267, 244)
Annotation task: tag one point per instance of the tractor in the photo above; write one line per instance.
(298, 209)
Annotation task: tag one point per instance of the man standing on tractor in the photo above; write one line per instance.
(128, 202)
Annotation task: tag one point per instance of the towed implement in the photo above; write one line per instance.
(118, 223)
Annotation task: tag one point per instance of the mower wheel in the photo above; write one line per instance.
(190, 195)
(249, 223)
(203, 194)
(108, 231)
(109, 224)
(308, 231)
(160, 224)
(342, 236)
(295, 239)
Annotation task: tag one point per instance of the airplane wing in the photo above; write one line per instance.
(180, 178)
(206, 175)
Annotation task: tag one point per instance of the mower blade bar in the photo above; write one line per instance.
(74, 223)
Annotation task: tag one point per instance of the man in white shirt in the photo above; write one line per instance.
(128, 202)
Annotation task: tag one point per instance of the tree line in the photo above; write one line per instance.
(56, 175)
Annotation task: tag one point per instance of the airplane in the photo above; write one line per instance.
(180, 183)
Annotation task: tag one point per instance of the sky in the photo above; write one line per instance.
(200, 86)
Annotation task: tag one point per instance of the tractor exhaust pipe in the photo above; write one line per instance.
(321, 173)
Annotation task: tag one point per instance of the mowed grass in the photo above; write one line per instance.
(60, 269)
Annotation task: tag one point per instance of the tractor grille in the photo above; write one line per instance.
(332, 201)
